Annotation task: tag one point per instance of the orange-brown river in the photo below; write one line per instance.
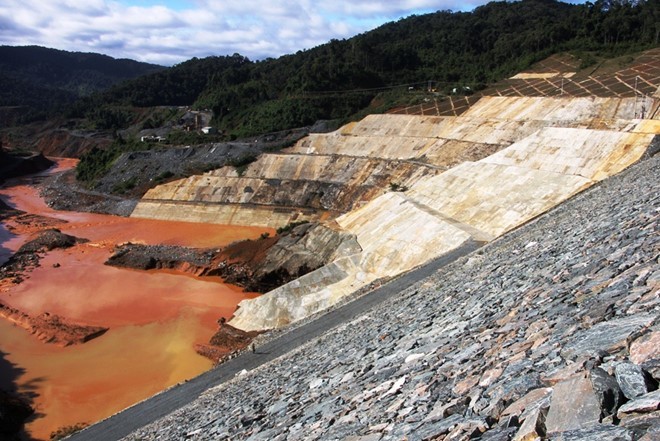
(154, 317)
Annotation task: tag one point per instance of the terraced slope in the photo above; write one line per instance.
(477, 201)
(504, 160)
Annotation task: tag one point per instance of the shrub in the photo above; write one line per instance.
(291, 226)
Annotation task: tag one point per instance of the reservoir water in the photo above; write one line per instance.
(155, 317)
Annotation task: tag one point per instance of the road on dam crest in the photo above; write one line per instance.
(158, 406)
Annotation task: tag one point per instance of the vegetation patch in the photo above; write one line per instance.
(66, 431)
(241, 163)
(290, 226)
(125, 186)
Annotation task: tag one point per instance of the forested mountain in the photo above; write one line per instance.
(339, 78)
(48, 78)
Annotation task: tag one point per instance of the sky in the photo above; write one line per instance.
(167, 32)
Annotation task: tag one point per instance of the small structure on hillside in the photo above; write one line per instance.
(209, 130)
(152, 138)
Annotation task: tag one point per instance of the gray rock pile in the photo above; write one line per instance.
(551, 332)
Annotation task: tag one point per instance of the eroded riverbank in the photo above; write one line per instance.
(155, 317)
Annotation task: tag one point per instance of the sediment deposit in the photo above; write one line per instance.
(51, 328)
(549, 332)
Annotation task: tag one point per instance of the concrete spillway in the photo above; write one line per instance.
(472, 177)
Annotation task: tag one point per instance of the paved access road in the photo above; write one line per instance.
(156, 407)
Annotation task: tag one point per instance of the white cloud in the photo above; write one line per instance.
(156, 33)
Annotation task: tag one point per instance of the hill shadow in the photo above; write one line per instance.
(27, 392)
(6, 211)
(5, 236)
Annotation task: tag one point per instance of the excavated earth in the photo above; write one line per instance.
(550, 332)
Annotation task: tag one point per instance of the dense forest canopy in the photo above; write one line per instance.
(44, 78)
(341, 77)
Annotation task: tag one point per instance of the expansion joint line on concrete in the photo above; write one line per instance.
(557, 87)
(644, 80)
(625, 83)
(516, 90)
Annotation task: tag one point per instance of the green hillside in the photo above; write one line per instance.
(45, 79)
(338, 79)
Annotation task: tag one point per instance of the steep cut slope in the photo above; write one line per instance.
(473, 201)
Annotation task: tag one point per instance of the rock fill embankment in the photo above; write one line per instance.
(551, 154)
(550, 332)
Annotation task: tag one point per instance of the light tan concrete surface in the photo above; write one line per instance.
(571, 112)
(495, 198)
(540, 75)
(226, 214)
(389, 247)
(474, 200)
(593, 154)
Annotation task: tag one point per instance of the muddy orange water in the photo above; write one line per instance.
(155, 317)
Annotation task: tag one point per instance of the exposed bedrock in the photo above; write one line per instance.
(296, 253)
(28, 256)
(257, 265)
(12, 166)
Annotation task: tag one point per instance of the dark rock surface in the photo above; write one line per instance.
(12, 166)
(555, 305)
(265, 264)
(28, 256)
(632, 380)
(147, 257)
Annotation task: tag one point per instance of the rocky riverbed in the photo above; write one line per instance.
(550, 332)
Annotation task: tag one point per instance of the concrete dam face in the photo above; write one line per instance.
(412, 188)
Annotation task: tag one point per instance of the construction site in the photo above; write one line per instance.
(417, 183)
